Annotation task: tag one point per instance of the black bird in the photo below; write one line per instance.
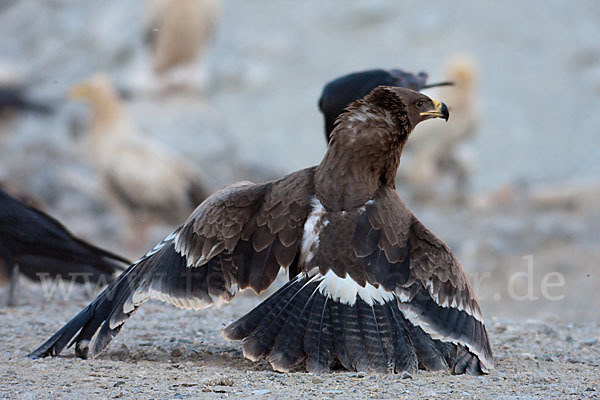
(371, 288)
(342, 91)
(37, 245)
(14, 98)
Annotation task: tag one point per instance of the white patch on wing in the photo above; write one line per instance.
(158, 246)
(178, 245)
(402, 295)
(415, 319)
(185, 303)
(139, 296)
(205, 258)
(453, 302)
(159, 292)
(346, 290)
(312, 229)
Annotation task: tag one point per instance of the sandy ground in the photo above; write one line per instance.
(166, 353)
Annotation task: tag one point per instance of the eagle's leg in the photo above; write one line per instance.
(10, 302)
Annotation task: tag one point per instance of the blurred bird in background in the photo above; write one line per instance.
(14, 96)
(439, 162)
(141, 177)
(36, 245)
(179, 32)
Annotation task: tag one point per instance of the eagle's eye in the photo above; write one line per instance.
(419, 104)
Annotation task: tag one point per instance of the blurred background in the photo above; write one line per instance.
(172, 97)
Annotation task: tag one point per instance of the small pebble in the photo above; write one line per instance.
(226, 381)
(528, 355)
(176, 353)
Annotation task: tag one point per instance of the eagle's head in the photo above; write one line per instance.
(404, 106)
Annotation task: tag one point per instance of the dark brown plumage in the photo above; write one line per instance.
(38, 246)
(370, 287)
(342, 91)
(13, 98)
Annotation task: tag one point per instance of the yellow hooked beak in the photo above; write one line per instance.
(439, 111)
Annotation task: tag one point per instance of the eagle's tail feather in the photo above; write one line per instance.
(462, 344)
(433, 355)
(300, 322)
(260, 327)
(466, 362)
(319, 345)
(288, 346)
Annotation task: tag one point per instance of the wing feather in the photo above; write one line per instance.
(403, 256)
(230, 242)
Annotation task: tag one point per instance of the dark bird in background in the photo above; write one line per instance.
(371, 288)
(15, 98)
(38, 246)
(342, 91)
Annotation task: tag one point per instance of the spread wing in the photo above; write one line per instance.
(259, 227)
(377, 291)
(431, 288)
(238, 238)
